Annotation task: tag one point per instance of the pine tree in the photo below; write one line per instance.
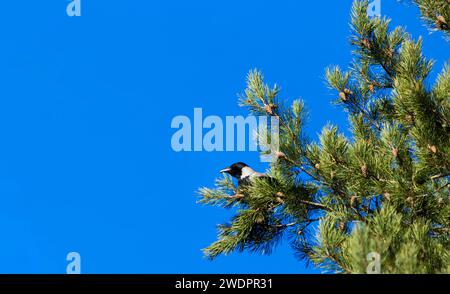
(436, 14)
(384, 190)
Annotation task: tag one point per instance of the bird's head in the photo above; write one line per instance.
(235, 170)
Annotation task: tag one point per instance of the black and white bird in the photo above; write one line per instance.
(243, 173)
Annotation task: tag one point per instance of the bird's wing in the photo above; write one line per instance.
(248, 175)
(259, 175)
(272, 181)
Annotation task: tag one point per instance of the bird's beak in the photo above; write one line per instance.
(225, 170)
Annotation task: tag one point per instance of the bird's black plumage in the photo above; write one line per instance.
(243, 173)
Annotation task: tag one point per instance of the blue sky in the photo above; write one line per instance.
(86, 104)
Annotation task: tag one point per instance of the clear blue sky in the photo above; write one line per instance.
(86, 104)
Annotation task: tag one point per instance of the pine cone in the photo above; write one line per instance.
(441, 23)
(432, 149)
(280, 155)
(269, 108)
(409, 118)
(280, 194)
(395, 152)
(353, 200)
(366, 43)
(344, 94)
(364, 170)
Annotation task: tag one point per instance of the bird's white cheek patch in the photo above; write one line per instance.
(247, 172)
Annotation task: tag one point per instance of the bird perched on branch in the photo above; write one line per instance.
(243, 173)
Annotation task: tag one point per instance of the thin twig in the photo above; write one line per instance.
(236, 196)
(438, 176)
(317, 205)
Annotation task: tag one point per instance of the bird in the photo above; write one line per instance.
(243, 173)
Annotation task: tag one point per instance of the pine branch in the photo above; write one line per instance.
(438, 176)
(383, 190)
(436, 14)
